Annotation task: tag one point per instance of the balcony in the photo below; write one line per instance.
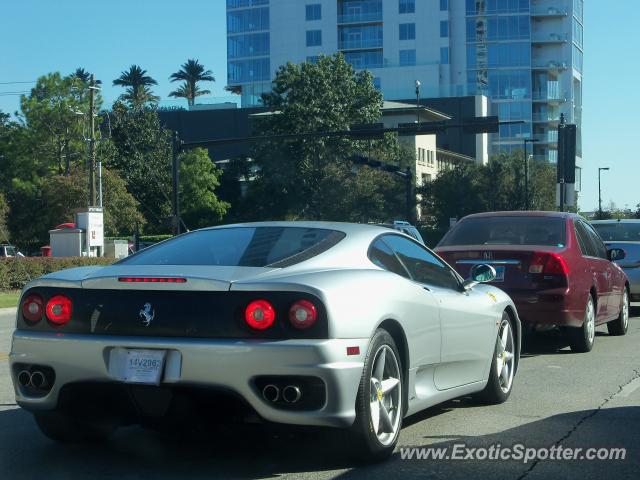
(359, 44)
(371, 17)
(551, 65)
(547, 117)
(549, 38)
(548, 97)
(548, 11)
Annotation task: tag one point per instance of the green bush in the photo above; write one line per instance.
(16, 272)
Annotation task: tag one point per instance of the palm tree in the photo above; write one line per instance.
(184, 91)
(137, 83)
(84, 76)
(191, 73)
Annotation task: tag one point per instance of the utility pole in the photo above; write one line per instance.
(92, 144)
(526, 172)
(176, 183)
(418, 101)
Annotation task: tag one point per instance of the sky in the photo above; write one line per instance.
(105, 38)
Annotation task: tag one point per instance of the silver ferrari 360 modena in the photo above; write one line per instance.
(305, 323)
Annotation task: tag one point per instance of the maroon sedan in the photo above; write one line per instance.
(553, 265)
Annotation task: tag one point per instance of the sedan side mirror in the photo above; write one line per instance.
(615, 254)
(480, 273)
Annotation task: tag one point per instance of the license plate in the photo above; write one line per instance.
(144, 366)
(499, 274)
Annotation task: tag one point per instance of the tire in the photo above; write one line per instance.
(581, 339)
(503, 365)
(63, 428)
(373, 438)
(620, 325)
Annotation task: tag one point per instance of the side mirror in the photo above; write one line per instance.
(480, 273)
(615, 254)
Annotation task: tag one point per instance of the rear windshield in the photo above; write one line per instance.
(618, 232)
(547, 231)
(240, 247)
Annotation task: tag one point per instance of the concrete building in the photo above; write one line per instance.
(524, 55)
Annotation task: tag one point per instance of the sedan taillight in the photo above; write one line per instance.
(33, 308)
(548, 264)
(59, 309)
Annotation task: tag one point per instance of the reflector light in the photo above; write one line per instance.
(59, 310)
(303, 314)
(152, 280)
(259, 315)
(33, 308)
(353, 350)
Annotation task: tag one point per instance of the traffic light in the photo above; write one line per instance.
(566, 168)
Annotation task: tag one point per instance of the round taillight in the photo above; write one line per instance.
(303, 314)
(260, 314)
(59, 310)
(33, 308)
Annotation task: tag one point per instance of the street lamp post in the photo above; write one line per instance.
(600, 169)
(418, 101)
(526, 172)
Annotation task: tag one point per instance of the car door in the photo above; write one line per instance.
(614, 286)
(416, 307)
(598, 266)
(467, 320)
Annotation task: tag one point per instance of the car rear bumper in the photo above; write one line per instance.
(232, 365)
(546, 307)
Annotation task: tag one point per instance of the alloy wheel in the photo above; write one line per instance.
(505, 356)
(385, 400)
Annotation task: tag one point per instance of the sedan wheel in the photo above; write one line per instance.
(620, 325)
(582, 338)
(380, 401)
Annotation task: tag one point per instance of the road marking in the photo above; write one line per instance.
(629, 388)
(553, 366)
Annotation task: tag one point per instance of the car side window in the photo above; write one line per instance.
(381, 255)
(601, 250)
(583, 240)
(423, 266)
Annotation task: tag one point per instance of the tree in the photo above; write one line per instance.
(140, 152)
(200, 207)
(54, 123)
(82, 75)
(305, 178)
(137, 84)
(191, 72)
(4, 212)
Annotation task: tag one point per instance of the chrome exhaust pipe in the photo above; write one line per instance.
(24, 378)
(271, 393)
(291, 394)
(38, 380)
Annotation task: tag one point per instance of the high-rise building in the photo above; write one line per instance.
(525, 55)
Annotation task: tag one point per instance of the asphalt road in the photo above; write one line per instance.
(560, 398)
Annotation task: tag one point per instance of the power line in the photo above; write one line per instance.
(12, 83)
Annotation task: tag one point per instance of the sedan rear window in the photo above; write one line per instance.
(618, 231)
(240, 247)
(546, 231)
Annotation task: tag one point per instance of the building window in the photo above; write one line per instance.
(444, 55)
(407, 31)
(407, 6)
(430, 157)
(313, 59)
(314, 12)
(444, 28)
(407, 58)
(314, 38)
(426, 178)
(444, 5)
(377, 84)
(421, 156)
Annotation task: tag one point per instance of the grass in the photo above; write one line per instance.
(9, 298)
